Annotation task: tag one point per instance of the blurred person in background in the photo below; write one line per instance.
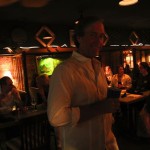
(143, 81)
(42, 82)
(142, 85)
(108, 73)
(143, 123)
(9, 95)
(121, 80)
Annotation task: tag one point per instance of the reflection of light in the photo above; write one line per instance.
(114, 45)
(124, 45)
(148, 58)
(77, 21)
(64, 45)
(29, 47)
(9, 50)
(53, 46)
(47, 37)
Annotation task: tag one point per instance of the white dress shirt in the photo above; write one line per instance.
(75, 83)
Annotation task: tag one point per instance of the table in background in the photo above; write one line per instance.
(132, 103)
(32, 128)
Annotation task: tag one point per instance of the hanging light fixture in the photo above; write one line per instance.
(127, 2)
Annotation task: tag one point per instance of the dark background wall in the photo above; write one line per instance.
(9, 36)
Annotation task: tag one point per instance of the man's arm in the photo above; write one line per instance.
(110, 105)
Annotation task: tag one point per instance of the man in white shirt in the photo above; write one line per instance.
(77, 104)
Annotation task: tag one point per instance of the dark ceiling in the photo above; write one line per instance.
(67, 11)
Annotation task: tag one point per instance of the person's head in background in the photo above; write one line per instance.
(120, 70)
(6, 84)
(108, 73)
(108, 69)
(89, 36)
(42, 80)
(144, 68)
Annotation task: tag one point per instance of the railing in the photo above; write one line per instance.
(31, 128)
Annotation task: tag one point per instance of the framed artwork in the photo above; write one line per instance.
(45, 36)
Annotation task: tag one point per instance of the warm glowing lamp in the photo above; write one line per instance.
(127, 2)
(8, 73)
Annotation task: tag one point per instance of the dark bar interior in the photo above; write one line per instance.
(37, 36)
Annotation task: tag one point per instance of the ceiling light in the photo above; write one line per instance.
(127, 2)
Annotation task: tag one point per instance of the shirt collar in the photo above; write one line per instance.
(80, 57)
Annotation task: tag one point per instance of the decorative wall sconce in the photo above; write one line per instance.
(45, 36)
(134, 38)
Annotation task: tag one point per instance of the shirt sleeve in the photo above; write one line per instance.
(59, 108)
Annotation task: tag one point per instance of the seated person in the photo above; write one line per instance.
(143, 82)
(143, 126)
(42, 82)
(9, 95)
(121, 80)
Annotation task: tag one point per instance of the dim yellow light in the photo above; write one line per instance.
(127, 2)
